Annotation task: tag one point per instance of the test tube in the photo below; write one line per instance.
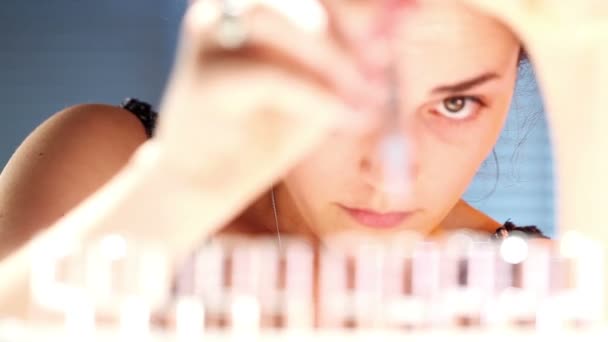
(425, 288)
(269, 282)
(106, 272)
(461, 300)
(58, 288)
(245, 310)
(245, 313)
(189, 319)
(102, 259)
(522, 276)
(481, 278)
(153, 274)
(188, 311)
(535, 268)
(47, 280)
(298, 293)
(135, 314)
(129, 280)
(335, 297)
(590, 281)
(407, 275)
(576, 289)
(369, 264)
(209, 278)
(80, 320)
(393, 148)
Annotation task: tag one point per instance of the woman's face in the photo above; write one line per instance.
(457, 72)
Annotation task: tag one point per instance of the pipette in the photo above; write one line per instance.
(393, 147)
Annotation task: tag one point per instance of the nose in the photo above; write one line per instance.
(389, 163)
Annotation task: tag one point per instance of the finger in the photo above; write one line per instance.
(498, 6)
(527, 17)
(359, 45)
(279, 117)
(512, 12)
(271, 38)
(335, 27)
(364, 27)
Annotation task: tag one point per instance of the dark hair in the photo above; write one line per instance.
(526, 84)
(523, 56)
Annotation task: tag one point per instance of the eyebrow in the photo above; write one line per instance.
(467, 84)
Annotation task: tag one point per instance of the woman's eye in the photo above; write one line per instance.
(458, 108)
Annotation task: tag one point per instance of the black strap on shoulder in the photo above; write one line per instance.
(144, 112)
(509, 228)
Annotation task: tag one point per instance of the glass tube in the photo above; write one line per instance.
(299, 278)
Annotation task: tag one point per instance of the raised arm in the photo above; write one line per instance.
(63, 161)
(233, 120)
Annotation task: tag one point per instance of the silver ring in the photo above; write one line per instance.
(232, 32)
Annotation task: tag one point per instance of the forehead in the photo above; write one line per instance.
(445, 42)
(424, 20)
(436, 42)
(450, 26)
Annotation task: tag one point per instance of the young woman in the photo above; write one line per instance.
(238, 117)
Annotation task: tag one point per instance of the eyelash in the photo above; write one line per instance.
(474, 99)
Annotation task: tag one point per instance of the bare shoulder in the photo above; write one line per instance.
(463, 215)
(60, 163)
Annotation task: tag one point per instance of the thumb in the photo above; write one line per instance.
(508, 11)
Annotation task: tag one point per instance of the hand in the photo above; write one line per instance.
(233, 120)
(256, 101)
(549, 21)
(568, 43)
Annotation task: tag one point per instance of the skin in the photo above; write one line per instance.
(36, 176)
(437, 48)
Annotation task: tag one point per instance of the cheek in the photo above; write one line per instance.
(449, 172)
(319, 177)
(450, 156)
(444, 177)
(481, 130)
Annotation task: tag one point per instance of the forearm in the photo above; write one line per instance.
(116, 207)
(575, 86)
(143, 201)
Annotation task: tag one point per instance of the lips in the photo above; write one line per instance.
(375, 219)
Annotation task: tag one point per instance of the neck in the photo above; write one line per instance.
(260, 216)
(462, 216)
